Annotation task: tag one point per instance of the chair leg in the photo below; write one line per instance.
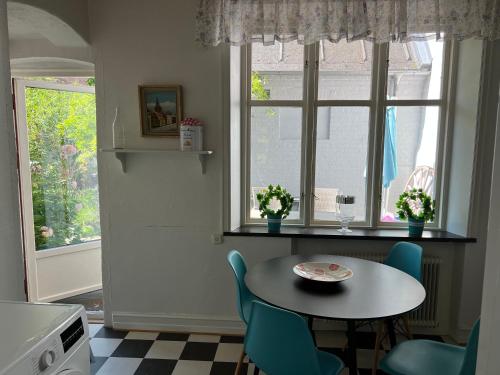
(240, 361)
(378, 342)
(406, 322)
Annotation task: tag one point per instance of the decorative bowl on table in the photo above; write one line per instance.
(326, 272)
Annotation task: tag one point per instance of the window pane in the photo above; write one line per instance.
(275, 148)
(415, 70)
(410, 153)
(62, 148)
(277, 71)
(341, 160)
(345, 70)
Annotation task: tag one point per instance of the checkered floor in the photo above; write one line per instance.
(151, 353)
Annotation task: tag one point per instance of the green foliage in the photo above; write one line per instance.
(416, 205)
(62, 147)
(279, 193)
(258, 90)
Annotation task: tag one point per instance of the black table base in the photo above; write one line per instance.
(351, 347)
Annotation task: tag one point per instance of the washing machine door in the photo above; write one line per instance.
(70, 372)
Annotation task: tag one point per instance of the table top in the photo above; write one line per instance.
(375, 291)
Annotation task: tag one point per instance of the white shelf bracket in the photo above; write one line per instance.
(122, 157)
(203, 162)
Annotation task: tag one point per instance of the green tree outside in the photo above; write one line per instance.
(62, 148)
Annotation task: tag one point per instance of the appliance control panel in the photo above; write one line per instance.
(46, 356)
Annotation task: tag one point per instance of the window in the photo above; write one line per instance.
(275, 119)
(343, 118)
(412, 122)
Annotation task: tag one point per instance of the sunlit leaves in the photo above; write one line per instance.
(62, 144)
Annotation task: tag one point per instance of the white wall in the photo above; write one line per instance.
(160, 267)
(49, 37)
(11, 264)
(464, 131)
(73, 12)
(469, 260)
(489, 360)
(157, 219)
(473, 262)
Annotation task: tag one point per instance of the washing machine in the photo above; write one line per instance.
(43, 339)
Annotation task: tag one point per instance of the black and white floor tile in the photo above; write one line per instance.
(152, 353)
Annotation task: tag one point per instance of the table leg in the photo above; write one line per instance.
(392, 333)
(351, 347)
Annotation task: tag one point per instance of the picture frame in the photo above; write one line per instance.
(161, 110)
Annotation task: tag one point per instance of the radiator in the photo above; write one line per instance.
(426, 315)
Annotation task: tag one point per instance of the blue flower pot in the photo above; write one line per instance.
(273, 223)
(415, 227)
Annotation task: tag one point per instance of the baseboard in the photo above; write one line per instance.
(177, 322)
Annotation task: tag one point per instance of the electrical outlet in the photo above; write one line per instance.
(217, 238)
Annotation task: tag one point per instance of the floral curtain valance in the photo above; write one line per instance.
(244, 21)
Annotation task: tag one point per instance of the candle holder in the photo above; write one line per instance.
(345, 212)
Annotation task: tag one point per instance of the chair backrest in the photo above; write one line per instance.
(324, 200)
(469, 364)
(406, 257)
(422, 178)
(239, 267)
(279, 342)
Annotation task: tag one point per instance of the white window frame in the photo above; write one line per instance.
(376, 104)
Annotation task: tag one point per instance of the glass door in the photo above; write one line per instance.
(56, 127)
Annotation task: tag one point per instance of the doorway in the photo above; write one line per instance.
(56, 135)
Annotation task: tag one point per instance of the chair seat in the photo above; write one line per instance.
(423, 357)
(329, 364)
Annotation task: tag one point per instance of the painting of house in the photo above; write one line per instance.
(160, 110)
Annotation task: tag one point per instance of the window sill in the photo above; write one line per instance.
(356, 234)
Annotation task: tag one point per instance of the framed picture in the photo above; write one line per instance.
(161, 110)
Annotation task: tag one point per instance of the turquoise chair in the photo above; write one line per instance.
(425, 357)
(279, 343)
(406, 257)
(244, 296)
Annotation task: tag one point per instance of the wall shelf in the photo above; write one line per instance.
(122, 154)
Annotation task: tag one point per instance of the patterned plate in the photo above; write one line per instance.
(328, 272)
